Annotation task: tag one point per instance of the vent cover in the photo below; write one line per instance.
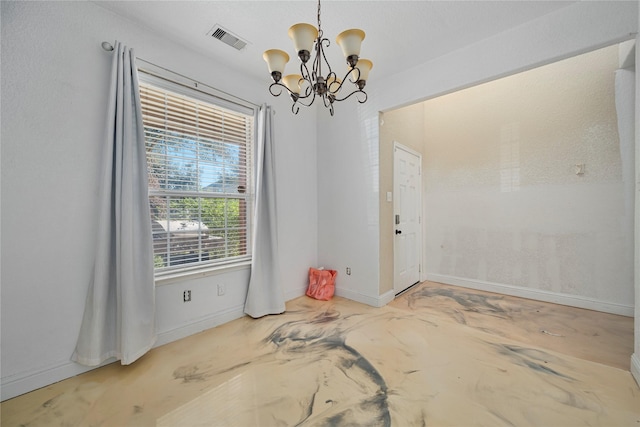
(217, 32)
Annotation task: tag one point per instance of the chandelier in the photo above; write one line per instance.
(311, 83)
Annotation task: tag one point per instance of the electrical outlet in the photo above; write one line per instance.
(348, 271)
(222, 289)
(186, 296)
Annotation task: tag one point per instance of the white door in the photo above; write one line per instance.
(407, 207)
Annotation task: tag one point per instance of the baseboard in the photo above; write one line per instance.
(635, 367)
(536, 294)
(199, 325)
(24, 382)
(214, 320)
(386, 298)
(377, 301)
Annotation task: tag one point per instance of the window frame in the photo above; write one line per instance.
(166, 80)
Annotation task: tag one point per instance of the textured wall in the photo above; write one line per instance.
(504, 203)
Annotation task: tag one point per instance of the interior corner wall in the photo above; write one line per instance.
(53, 112)
(350, 189)
(348, 206)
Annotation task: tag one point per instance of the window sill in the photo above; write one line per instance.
(170, 277)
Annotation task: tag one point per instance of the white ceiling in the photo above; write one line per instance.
(399, 34)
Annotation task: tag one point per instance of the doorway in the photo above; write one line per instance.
(407, 217)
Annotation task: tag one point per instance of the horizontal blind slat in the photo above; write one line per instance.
(199, 162)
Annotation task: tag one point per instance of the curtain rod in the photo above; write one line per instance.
(109, 48)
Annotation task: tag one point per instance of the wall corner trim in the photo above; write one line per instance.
(386, 298)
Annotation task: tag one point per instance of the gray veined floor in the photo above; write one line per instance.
(436, 356)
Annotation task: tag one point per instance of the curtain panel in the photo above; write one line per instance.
(265, 294)
(119, 315)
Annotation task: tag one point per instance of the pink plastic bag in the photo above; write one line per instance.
(322, 284)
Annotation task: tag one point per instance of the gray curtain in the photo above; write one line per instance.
(265, 294)
(119, 315)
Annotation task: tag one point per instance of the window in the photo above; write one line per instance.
(199, 165)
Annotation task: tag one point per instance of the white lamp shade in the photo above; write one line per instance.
(292, 82)
(350, 41)
(364, 65)
(303, 36)
(276, 59)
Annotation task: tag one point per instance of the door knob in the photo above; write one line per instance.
(398, 231)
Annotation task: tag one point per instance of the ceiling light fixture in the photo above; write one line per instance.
(304, 87)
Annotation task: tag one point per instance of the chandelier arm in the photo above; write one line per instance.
(344, 79)
(292, 94)
(324, 56)
(350, 71)
(358, 91)
(280, 85)
(313, 97)
(362, 101)
(308, 91)
(327, 103)
(304, 72)
(333, 78)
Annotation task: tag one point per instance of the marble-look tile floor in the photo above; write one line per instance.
(436, 356)
(599, 337)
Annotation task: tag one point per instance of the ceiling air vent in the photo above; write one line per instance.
(225, 36)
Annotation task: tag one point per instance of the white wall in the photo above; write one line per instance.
(348, 198)
(509, 241)
(577, 28)
(54, 82)
(507, 149)
(505, 209)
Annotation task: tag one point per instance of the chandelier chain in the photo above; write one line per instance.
(319, 26)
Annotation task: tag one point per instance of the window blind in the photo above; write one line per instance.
(199, 161)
